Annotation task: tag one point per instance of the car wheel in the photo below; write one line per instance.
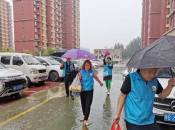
(28, 82)
(54, 76)
(41, 82)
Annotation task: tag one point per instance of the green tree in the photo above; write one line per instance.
(119, 46)
(5, 49)
(49, 50)
(131, 48)
(29, 52)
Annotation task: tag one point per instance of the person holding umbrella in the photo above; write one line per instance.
(139, 88)
(68, 68)
(107, 74)
(86, 76)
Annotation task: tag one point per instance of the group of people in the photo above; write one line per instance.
(137, 93)
(86, 76)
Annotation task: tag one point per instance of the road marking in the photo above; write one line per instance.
(23, 113)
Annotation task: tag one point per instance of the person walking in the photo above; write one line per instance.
(137, 94)
(86, 76)
(107, 75)
(68, 68)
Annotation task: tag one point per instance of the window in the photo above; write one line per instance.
(167, 20)
(44, 18)
(53, 27)
(44, 38)
(36, 30)
(35, 23)
(43, 5)
(36, 36)
(17, 61)
(172, 21)
(44, 25)
(52, 10)
(34, 2)
(52, 3)
(23, 36)
(44, 12)
(44, 44)
(44, 31)
(167, 11)
(53, 34)
(172, 4)
(42, 61)
(53, 39)
(6, 60)
(168, 2)
(35, 16)
(36, 43)
(34, 9)
(53, 22)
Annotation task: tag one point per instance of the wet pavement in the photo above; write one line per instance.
(51, 110)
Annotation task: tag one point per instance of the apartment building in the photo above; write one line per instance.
(46, 23)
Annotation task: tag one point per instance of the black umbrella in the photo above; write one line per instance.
(59, 52)
(159, 54)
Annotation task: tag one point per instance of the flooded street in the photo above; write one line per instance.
(51, 110)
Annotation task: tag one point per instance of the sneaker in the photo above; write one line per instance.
(108, 93)
(67, 95)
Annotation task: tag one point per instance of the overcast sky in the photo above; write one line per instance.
(106, 22)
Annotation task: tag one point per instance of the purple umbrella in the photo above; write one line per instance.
(78, 54)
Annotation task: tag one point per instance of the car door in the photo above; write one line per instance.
(6, 60)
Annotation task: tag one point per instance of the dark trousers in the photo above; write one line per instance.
(153, 126)
(68, 82)
(86, 101)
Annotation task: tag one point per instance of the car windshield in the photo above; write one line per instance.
(2, 66)
(166, 73)
(53, 61)
(30, 60)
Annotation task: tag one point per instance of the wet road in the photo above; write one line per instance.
(51, 110)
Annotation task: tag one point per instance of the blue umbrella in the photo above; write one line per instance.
(78, 54)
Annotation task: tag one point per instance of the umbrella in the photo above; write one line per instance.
(78, 54)
(59, 52)
(159, 54)
(106, 53)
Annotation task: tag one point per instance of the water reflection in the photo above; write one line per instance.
(107, 113)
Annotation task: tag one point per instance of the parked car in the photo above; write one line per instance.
(127, 71)
(59, 59)
(29, 65)
(11, 81)
(53, 67)
(98, 61)
(164, 109)
(80, 63)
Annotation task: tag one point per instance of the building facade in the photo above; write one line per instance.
(155, 21)
(46, 23)
(116, 54)
(6, 32)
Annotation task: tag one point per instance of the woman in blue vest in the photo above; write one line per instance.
(107, 74)
(137, 94)
(68, 68)
(87, 76)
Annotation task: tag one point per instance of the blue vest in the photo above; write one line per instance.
(107, 71)
(64, 70)
(139, 102)
(87, 81)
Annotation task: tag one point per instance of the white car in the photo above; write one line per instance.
(80, 63)
(29, 65)
(128, 71)
(98, 61)
(164, 109)
(11, 81)
(53, 67)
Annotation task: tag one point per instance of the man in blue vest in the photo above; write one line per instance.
(137, 94)
(67, 68)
